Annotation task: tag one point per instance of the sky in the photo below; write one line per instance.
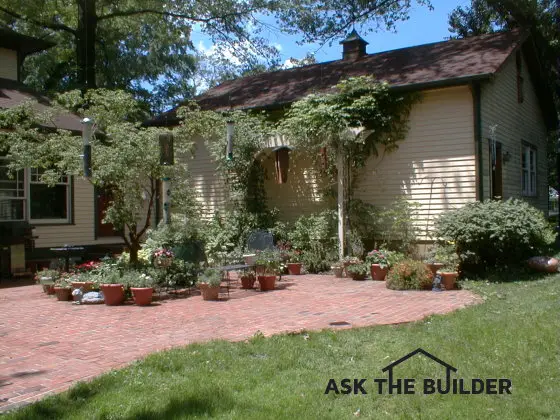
(424, 26)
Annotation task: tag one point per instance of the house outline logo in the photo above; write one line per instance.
(419, 350)
(426, 386)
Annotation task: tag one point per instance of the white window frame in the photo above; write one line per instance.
(528, 170)
(30, 178)
(67, 182)
(18, 198)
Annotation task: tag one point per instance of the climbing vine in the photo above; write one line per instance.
(357, 117)
(244, 173)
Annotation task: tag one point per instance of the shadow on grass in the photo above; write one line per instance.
(210, 403)
(506, 275)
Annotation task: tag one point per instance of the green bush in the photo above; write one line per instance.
(316, 236)
(409, 275)
(495, 233)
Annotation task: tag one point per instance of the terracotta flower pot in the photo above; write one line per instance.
(378, 273)
(113, 294)
(448, 279)
(209, 293)
(294, 268)
(434, 267)
(86, 286)
(63, 293)
(338, 272)
(247, 282)
(142, 295)
(267, 282)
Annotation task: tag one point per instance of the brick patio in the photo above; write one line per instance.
(46, 345)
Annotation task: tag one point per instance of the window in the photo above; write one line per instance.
(12, 194)
(529, 170)
(24, 197)
(520, 81)
(48, 204)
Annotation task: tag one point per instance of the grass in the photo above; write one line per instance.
(514, 334)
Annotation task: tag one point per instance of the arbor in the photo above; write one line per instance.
(132, 44)
(125, 158)
(349, 125)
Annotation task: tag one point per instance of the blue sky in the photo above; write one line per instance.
(424, 26)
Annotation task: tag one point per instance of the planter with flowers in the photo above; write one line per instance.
(47, 278)
(338, 270)
(247, 279)
(294, 263)
(142, 288)
(112, 288)
(348, 261)
(63, 290)
(449, 272)
(379, 264)
(163, 257)
(269, 263)
(209, 283)
(358, 271)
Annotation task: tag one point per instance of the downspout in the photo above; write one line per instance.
(477, 104)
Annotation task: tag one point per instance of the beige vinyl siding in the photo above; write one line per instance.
(8, 64)
(82, 231)
(516, 123)
(209, 186)
(434, 166)
(301, 194)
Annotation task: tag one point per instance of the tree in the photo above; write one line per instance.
(135, 44)
(125, 156)
(478, 19)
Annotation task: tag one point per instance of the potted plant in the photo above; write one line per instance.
(358, 271)
(294, 264)
(47, 279)
(112, 288)
(269, 261)
(432, 260)
(163, 257)
(450, 269)
(63, 290)
(83, 281)
(247, 279)
(209, 283)
(379, 263)
(142, 288)
(348, 261)
(338, 269)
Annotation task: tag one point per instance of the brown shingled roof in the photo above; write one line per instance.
(440, 63)
(13, 93)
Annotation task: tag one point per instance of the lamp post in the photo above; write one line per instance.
(86, 137)
(166, 158)
(229, 137)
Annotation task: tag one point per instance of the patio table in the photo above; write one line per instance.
(67, 249)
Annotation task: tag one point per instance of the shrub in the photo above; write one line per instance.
(315, 235)
(494, 233)
(409, 275)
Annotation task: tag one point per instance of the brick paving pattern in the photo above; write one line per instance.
(46, 345)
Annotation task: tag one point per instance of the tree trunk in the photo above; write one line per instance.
(85, 44)
(134, 248)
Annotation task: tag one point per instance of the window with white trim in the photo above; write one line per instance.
(23, 196)
(529, 170)
(12, 194)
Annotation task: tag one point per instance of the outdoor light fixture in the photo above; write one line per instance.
(166, 153)
(229, 138)
(507, 157)
(86, 136)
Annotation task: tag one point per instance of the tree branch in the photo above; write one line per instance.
(150, 204)
(46, 25)
(125, 13)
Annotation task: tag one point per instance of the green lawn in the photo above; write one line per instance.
(514, 334)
